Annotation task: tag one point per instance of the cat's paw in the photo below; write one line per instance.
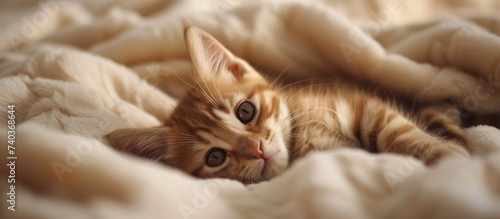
(443, 120)
(433, 155)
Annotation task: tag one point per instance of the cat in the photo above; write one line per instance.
(236, 124)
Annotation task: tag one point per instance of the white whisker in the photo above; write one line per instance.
(307, 139)
(276, 80)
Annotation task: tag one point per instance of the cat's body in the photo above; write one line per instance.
(329, 117)
(235, 124)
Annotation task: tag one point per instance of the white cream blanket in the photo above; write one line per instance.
(77, 70)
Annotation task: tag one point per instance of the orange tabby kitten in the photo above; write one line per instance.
(235, 124)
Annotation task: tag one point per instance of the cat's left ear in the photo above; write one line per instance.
(150, 143)
(210, 58)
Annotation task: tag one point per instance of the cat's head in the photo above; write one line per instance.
(231, 124)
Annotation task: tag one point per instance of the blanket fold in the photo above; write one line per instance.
(95, 66)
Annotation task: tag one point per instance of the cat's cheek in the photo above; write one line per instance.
(276, 165)
(272, 171)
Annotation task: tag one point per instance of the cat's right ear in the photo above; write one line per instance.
(210, 58)
(150, 143)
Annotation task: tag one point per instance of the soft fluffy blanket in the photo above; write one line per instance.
(77, 70)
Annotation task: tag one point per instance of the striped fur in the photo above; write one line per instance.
(339, 116)
(290, 121)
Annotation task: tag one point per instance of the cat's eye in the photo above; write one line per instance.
(215, 157)
(245, 112)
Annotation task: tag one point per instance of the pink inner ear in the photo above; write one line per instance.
(236, 70)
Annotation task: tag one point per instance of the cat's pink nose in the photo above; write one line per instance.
(250, 148)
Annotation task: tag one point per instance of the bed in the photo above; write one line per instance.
(73, 71)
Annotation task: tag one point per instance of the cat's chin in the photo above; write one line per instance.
(274, 165)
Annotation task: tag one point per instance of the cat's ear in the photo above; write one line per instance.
(150, 143)
(210, 58)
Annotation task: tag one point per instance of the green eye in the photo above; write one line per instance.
(215, 157)
(245, 112)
